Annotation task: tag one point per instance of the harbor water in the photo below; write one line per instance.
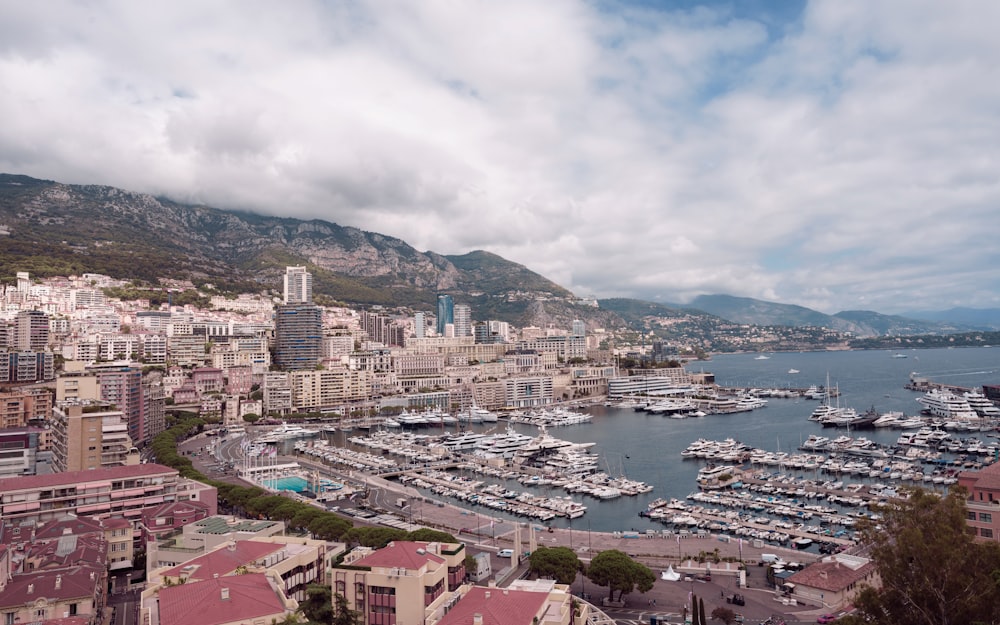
(647, 447)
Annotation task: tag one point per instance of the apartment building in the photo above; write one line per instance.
(19, 449)
(297, 562)
(54, 571)
(538, 602)
(89, 435)
(298, 336)
(172, 538)
(19, 406)
(101, 493)
(401, 583)
(983, 504)
(328, 388)
(527, 392)
(25, 367)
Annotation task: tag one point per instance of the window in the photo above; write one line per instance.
(985, 517)
(72, 609)
(986, 532)
(8, 618)
(40, 614)
(971, 516)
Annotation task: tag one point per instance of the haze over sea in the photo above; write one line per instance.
(647, 447)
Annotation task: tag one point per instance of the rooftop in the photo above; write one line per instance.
(34, 482)
(497, 606)
(401, 554)
(225, 560)
(832, 574)
(987, 478)
(242, 598)
(75, 582)
(222, 525)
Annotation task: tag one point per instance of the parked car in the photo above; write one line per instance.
(823, 619)
(704, 577)
(736, 599)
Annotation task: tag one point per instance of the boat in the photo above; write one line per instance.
(939, 403)
(793, 371)
(899, 355)
(981, 405)
(889, 419)
(762, 357)
(802, 542)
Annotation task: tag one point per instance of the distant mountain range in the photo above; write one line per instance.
(48, 229)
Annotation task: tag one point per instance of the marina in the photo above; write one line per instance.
(636, 457)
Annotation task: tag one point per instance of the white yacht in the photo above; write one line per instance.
(503, 445)
(475, 414)
(947, 405)
(815, 442)
(889, 419)
(981, 405)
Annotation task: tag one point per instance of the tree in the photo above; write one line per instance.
(619, 572)
(428, 535)
(932, 570)
(558, 563)
(318, 604)
(342, 614)
(723, 614)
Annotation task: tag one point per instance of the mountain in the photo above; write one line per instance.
(973, 318)
(48, 228)
(759, 312)
(860, 323)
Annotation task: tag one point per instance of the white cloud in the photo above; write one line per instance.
(840, 158)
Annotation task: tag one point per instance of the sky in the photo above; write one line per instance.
(835, 154)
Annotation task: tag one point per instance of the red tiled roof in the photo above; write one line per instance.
(497, 606)
(76, 525)
(82, 477)
(402, 554)
(69, 550)
(73, 583)
(224, 561)
(830, 575)
(987, 478)
(201, 603)
(116, 522)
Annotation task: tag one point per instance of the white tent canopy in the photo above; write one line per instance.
(670, 574)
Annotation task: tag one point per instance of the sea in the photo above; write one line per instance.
(648, 447)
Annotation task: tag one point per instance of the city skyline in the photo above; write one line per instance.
(835, 156)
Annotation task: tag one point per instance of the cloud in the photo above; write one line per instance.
(828, 154)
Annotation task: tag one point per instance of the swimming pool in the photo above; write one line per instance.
(298, 484)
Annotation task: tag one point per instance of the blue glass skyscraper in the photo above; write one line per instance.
(446, 313)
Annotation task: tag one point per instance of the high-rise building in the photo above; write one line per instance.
(298, 336)
(32, 331)
(88, 435)
(579, 328)
(298, 286)
(445, 313)
(463, 320)
(121, 384)
(419, 325)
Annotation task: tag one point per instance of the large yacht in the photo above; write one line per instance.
(947, 405)
(503, 445)
(982, 405)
